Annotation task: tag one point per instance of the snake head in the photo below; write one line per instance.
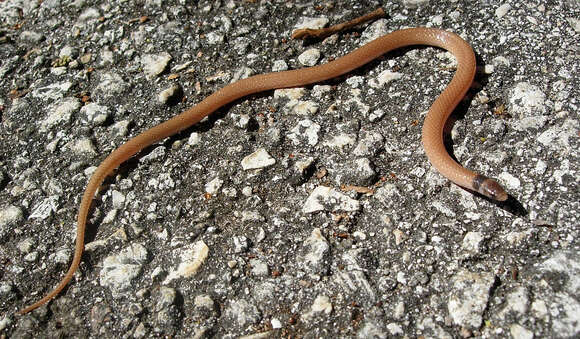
(490, 188)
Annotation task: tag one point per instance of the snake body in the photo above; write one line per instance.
(432, 136)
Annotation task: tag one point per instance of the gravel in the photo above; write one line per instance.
(308, 212)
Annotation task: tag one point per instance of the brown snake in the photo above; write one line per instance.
(432, 128)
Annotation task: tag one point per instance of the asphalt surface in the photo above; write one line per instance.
(307, 213)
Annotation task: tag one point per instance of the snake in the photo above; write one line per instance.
(432, 132)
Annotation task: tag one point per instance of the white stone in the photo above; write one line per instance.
(214, 186)
(60, 113)
(154, 64)
(469, 297)
(192, 257)
(502, 10)
(309, 57)
(120, 269)
(259, 159)
(327, 198)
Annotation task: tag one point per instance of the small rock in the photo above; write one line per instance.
(411, 4)
(60, 113)
(502, 10)
(242, 313)
(520, 332)
(469, 297)
(241, 244)
(527, 100)
(309, 57)
(279, 65)
(472, 244)
(259, 159)
(305, 132)
(259, 268)
(329, 199)
(94, 114)
(171, 95)
(214, 186)
(9, 216)
(321, 304)
(314, 253)
(384, 78)
(372, 329)
(155, 64)
(313, 23)
(31, 37)
(120, 269)
(192, 257)
(45, 208)
(214, 38)
(83, 146)
(111, 85)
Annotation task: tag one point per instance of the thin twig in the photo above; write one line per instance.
(306, 33)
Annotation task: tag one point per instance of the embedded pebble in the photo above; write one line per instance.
(119, 270)
(290, 93)
(279, 65)
(469, 297)
(376, 115)
(89, 15)
(358, 172)
(194, 139)
(191, 258)
(375, 30)
(259, 268)
(305, 108)
(309, 57)
(414, 3)
(472, 244)
(31, 37)
(395, 329)
(110, 86)
(384, 78)
(214, 38)
(369, 144)
(355, 283)
(118, 199)
(60, 113)
(94, 114)
(259, 159)
(509, 181)
(45, 208)
(321, 304)
(242, 313)
(502, 10)
(372, 329)
(306, 132)
(170, 95)
(26, 245)
(329, 199)
(519, 332)
(427, 325)
(315, 253)
(83, 146)
(560, 137)
(154, 64)
(214, 186)
(516, 303)
(340, 141)
(527, 100)
(312, 23)
(241, 244)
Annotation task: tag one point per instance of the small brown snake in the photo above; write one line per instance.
(432, 128)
